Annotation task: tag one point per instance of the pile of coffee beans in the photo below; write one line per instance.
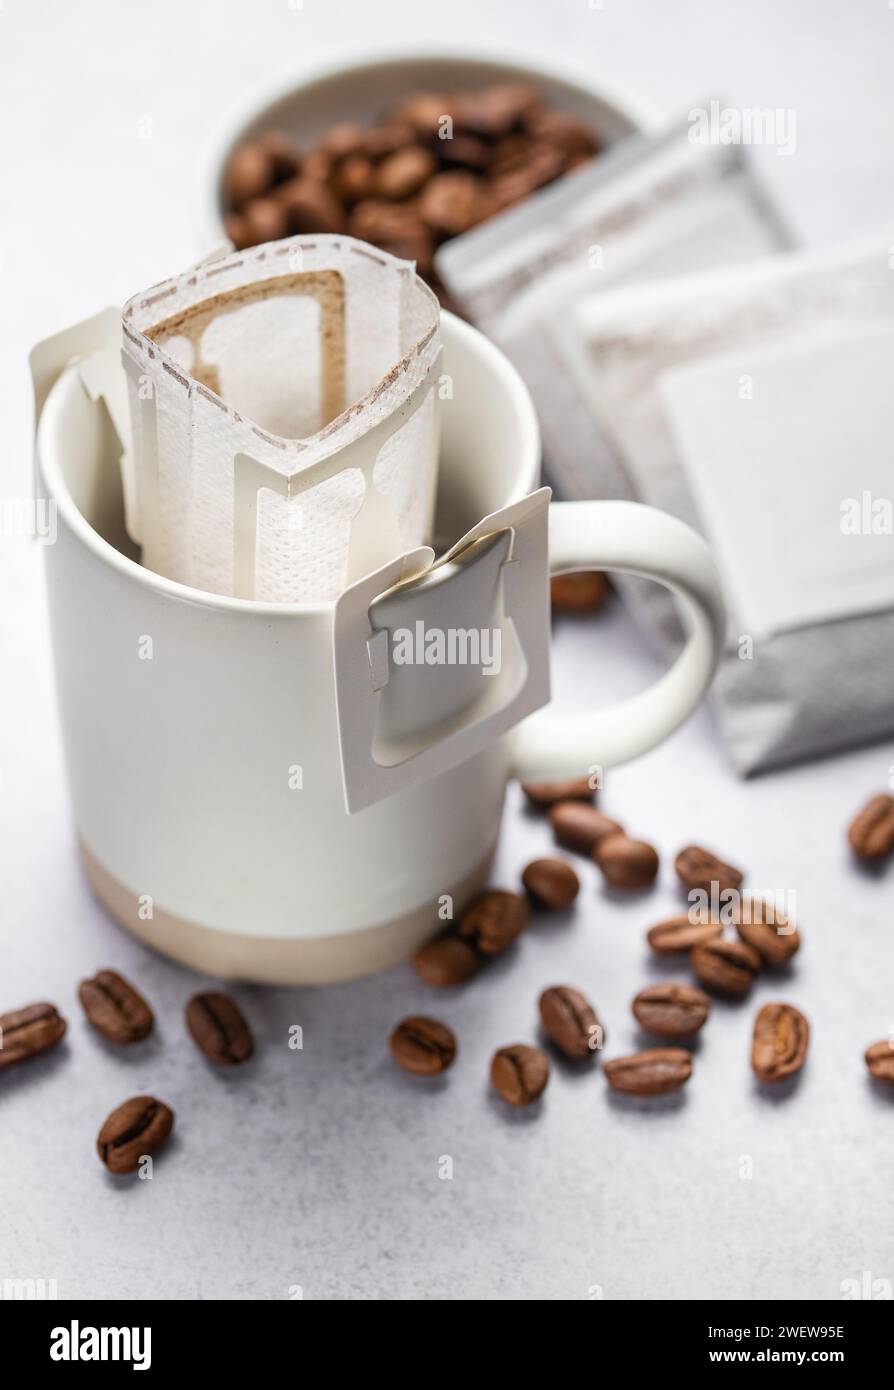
(119, 1013)
(437, 164)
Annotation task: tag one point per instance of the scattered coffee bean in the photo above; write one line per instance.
(671, 1010)
(423, 1046)
(626, 863)
(27, 1032)
(551, 883)
(494, 920)
(871, 833)
(779, 1047)
(570, 1020)
(580, 593)
(545, 794)
(445, 963)
(681, 934)
(135, 1129)
(115, 1008)
(727, 966)
(768, 931)
(519, 1073)
(218, 1029)
(580, 827)
(650, 1073)
(698, 869)
(880, 1060)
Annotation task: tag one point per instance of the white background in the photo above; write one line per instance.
(320, 1168)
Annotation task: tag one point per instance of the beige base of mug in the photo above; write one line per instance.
(315, 960)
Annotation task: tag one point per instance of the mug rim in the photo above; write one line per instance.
(57, 490)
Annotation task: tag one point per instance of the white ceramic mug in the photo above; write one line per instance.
(200, 731)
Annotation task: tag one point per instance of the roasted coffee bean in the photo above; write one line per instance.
(494, 111)
(237, 231)
(562, 131)
(265, 219)
(880, 1060)
(580, 593)
(871, 834)
(249, 174)
(581, 827)
(317, 166)
(344, 139)
(310, 206)
(403, 173)
(671, 1010)
(423, 1046)
(728, 966)
(681, 934)
(541, 167)
(494, 920)
(446, 963)
(115, 1008)
(396, 228)
(283, 153)
(519, 1073)
(545, 794)
(424, 112)
(650, 1073)
(571, 1022)
(452, 202)
(137, 1128)
(387, 139)
(768, 931)
(466, 152)
(698, 868)
(507, 156)
(354, 178)
(779, 1046)
(218, 1029)
(551, 883)
(27, 1032)
(626, 863)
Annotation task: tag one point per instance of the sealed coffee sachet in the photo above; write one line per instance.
(649, 206)
(756, 404)
(284, 417)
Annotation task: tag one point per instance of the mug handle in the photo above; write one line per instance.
(632, 539)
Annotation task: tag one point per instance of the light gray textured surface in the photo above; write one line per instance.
(319, 1168)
